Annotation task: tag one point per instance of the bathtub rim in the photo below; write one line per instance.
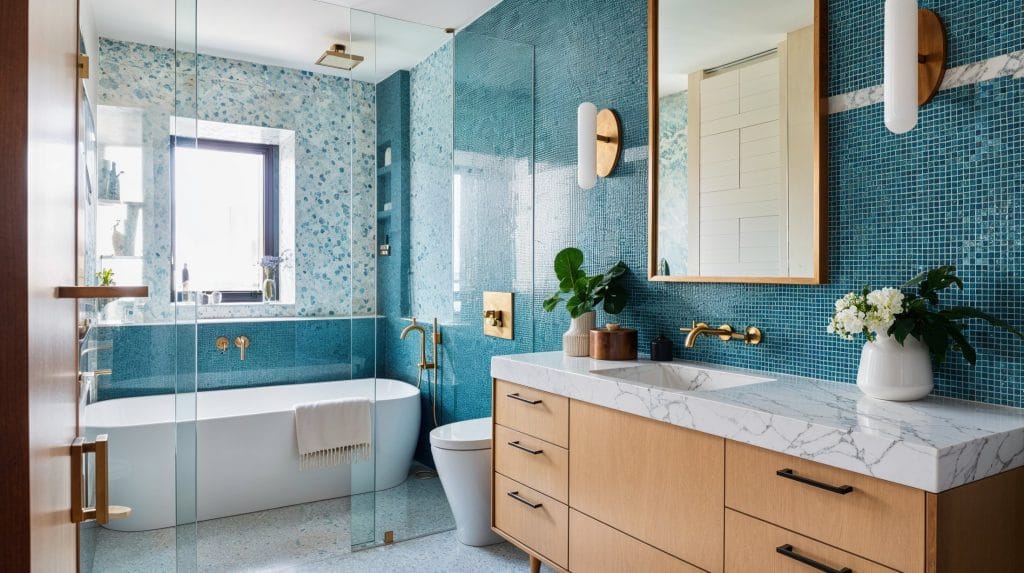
(407, 391)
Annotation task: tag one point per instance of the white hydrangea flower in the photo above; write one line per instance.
(871, 314)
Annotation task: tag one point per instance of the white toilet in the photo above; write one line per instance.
(462, 454)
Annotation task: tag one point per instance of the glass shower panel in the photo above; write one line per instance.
(137, 355)
(361, 230)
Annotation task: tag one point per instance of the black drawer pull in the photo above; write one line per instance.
(787, 550)
(515, 495)
(789, 474)
(519, 446)
(516, 396)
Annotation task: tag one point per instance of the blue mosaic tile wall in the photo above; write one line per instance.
(148, 359)
(947, 193)
(976, 30)
(333, 120)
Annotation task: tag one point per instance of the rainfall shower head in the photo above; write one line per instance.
(336, 57)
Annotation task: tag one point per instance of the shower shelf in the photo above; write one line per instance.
(102, 292)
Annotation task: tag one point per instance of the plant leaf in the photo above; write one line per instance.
(552, 303)
(615, 299)
(959, 312)
(961, 344)
(568, 262)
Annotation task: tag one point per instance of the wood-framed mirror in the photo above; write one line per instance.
(738, 141)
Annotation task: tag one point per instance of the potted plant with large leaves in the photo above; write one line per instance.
(585, 294)
(903, 328)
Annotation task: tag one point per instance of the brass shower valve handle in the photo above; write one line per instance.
(222, 343)
(495, 317)
(242, 342)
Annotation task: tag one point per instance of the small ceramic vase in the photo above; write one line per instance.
(576, 340)
(891, 371)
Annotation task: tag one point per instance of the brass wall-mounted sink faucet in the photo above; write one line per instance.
(752, 334)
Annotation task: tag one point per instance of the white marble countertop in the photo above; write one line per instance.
(933, 444)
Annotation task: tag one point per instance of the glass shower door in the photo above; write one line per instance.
(137, 355)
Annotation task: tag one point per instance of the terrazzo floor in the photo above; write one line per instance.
(314, 536)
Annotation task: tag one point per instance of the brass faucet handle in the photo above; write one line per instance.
(695, 326)
(221, 343)
(495, 316)
(752, 335)
(242, 342)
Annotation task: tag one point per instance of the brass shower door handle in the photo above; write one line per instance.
(103, 512)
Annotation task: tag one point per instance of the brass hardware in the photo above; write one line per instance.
(494, 316)
(389, 537)
(103, 512)
(931, 58)
(609, 142)
(83, 67)
(498, 315)
(750, 335)
(222, 343)
(435, 339)
(337, 57)
(242, 342)
(83, 328)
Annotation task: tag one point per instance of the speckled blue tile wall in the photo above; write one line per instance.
(948, 192)
(147, 359)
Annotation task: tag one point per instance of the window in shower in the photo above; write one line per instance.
(225, 196)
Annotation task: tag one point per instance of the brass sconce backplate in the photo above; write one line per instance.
(931, 54)
(497, 315)
(609, 142)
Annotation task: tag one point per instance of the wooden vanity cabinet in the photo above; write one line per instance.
(588, 489)
(653, 481)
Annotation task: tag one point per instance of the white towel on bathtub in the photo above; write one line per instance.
(333, 432)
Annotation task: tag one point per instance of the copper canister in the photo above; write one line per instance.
(613, 343)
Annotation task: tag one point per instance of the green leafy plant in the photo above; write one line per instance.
(939, 328)
(586, 292)
(106, 277)
(913, 310)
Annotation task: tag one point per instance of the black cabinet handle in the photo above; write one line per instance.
(519, 446)
(516, 396)
(515, 495)
(789, 474)
(787, 550)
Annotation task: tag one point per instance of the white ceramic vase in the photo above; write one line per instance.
(576, 340)
(891, 371)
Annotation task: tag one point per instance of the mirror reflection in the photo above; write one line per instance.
(736, 114)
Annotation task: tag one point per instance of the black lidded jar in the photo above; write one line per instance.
(661, 349)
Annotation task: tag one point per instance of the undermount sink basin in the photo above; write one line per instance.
(680, 376)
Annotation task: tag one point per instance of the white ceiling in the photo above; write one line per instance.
(294, 33)
(697, 34)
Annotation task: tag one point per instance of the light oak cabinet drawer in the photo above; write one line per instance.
(651, 480)
(532, 412)
(532, 518)
(753, 545)
(533, 462)
(876, 519)
(593, 546)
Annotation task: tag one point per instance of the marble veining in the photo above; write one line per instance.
(934, 444)
(1006, 65)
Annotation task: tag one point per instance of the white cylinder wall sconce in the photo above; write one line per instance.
(915, 61)
(586, 145)
(598, 144)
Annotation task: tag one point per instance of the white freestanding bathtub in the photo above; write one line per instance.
(236, 450)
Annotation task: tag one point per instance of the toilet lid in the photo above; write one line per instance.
(465, 435)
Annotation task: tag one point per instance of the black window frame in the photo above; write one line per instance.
(271, 206)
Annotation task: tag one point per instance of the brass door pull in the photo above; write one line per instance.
(103, 512)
